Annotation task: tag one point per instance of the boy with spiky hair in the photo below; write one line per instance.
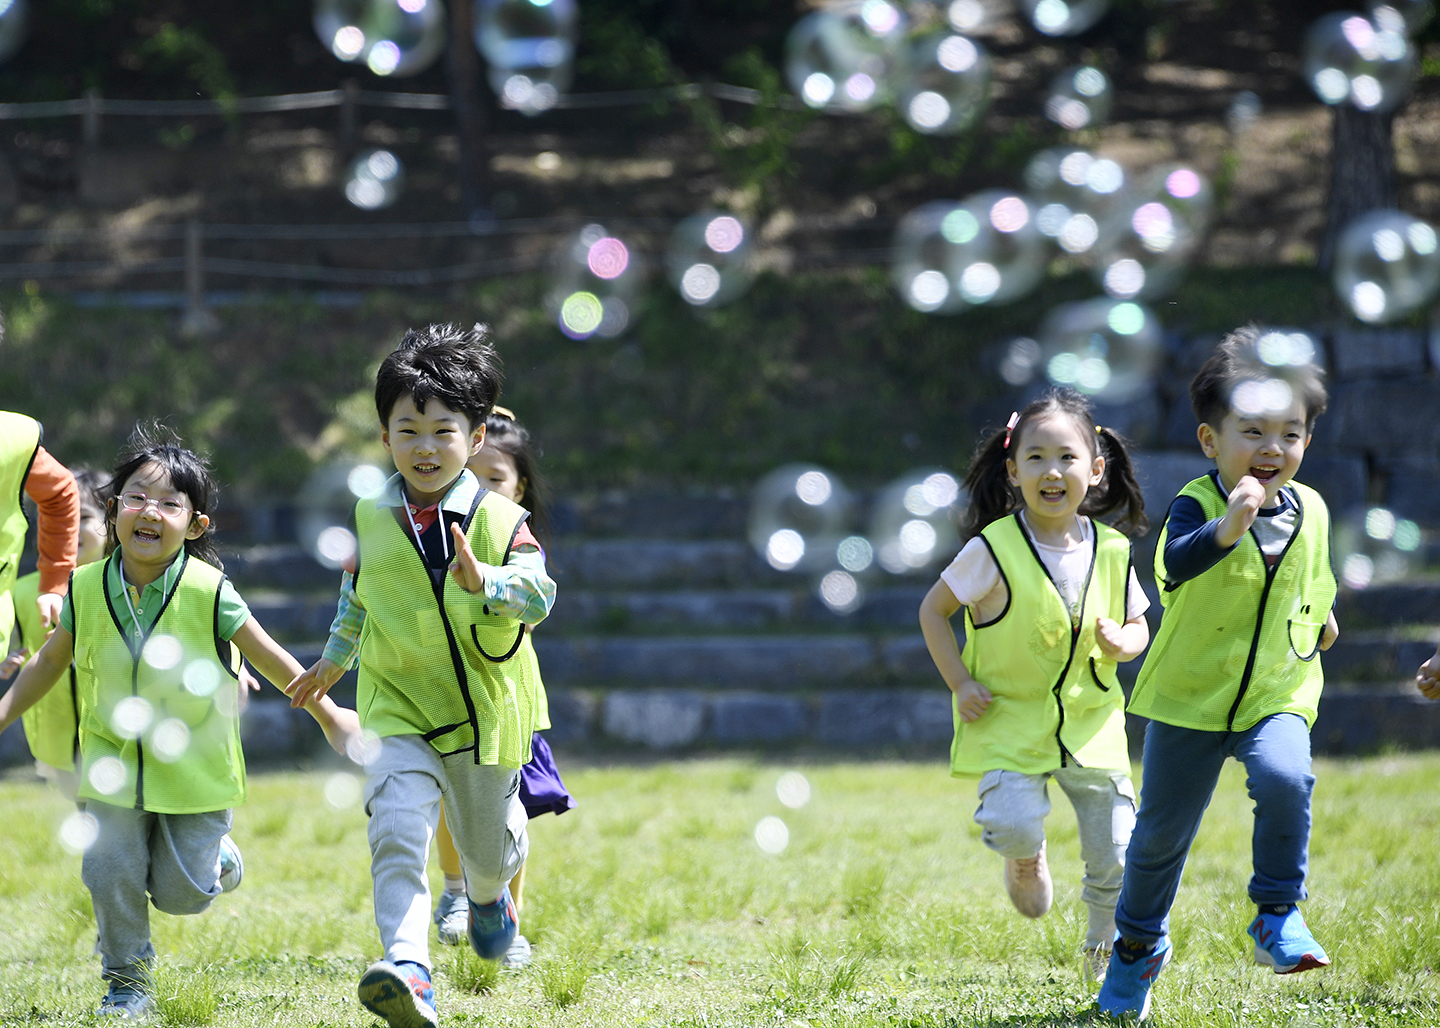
(447, 576)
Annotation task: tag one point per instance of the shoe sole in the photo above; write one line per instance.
(385, 994)
(1308, 962)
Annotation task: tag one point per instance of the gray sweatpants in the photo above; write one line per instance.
(402, 797)
(174, 858)
(1012, 811)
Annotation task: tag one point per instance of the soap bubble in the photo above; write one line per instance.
(968, 16)
(375, 179)
(1079, 98)
(913, 520)
(1022, 360)
(162, 652)
(1110, 349)
(1259, 398)
(1373, 546)
(1369, 63)
(793, 790)
(797, 517)
(1145, 245)
(846, 57)
(201, 678)
(1243, 112)
(596, 281)
(107, 775)
(529, 49)
(391, 37)
(854, 553)
(923, 259)
(364, 748)
(1286, 347)
(170, 740)
(1416, 14)
(1073, 192)
(840, 591)
(78, 832)
(772, 836)
(998, 253)
(325, 505)
(1386, 265)
(709, 260)
(342, 790)
(1064, 17)
(131, 717)
(14, 26)
(945, 85)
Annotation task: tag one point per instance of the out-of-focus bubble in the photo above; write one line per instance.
(325, 505)
(997, 251)
(1110, 349)
(365, 480)
(1262, 398)
(1064, 17)
(923, 259)
(945, 83)
(855, 554)
(913, 519)
(1073, 191)
(227, 701)
(170, 740)
(14, 26)
(967, 16)
(847, 56)
(1243, 112)
(797, 517)
(529, 49)
(1351, 58)
(1079, 98)
(390, 37)
(596, 279)
(201, 678)
(1375, 547)
(78, 832)
(342, 790)
(709, 260)
(374, 180)
(1415, 14)
(840, 591)
(1286, 347)
(793, 790)
(1386, 265)
(108, 775)
(364, 748)
(1146, 244)
(772, 836)
(131, 717)
(1021, 361)
(162, 652)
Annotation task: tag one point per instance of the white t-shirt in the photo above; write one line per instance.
(975, 579)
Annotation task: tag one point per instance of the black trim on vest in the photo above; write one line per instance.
(20, 499)
(74, 683)
(1096, 675)
(1009, 593)
(224, 648)
(510, 546)
(507, 654)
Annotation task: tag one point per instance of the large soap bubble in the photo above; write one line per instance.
(1145, 246)
(998, 253)
(14, 26)
(1386, 265)
(946, 83)
(325, 505)
(1110, 349)
(1416, 14)
(597, 278)
(846, 57)
(1080, 97)
(1369, 63)
(797, 517)
(391, 37)
(923, 259)
(1064, 17)
(374, 180)
(913, 520)
(529, 49)
(1373, 546)
(1073, 192)
(709, 260)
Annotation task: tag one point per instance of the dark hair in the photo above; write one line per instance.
(94, 486)
(154, 443)
(1237, 359)
(988, 481)
(456, 366)
(513, 439)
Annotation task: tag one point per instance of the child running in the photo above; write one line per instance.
(1244, 562)
(154, 632)
(447, 576)
(1051, 605)
(506, 464)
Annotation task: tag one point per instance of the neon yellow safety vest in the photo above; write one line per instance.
(542, 701)
(1241, 641)
(159, 717)
(434, 660)
(19, 442)
(1056, 700)
(52, 726)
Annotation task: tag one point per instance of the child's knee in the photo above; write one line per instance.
(181, 900)
(1011, 833)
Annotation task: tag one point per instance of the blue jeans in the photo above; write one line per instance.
(1181, 767)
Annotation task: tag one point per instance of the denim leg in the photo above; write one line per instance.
(1276, 755)
(1181, 767)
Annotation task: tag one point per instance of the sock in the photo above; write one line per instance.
(455, 884)
(1129, 951)
(1278, 909)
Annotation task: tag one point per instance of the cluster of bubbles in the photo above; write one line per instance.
(529, 49)
(710, 258)
(390, 37)
(1386, 265)
(374, 180)
(986, 248)
(1374, 547)
(14, 26)
(324, 507)
(597, 278)
(1064, 17)
(772, 835)
(1366, 60)
(1079, 98)
(801, 516)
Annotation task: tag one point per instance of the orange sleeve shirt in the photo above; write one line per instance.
(57, 499)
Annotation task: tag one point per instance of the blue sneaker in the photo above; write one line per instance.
(452, 918)
(400, 994)
(1283, 941)
(1126, 989)
(128, 1001)
(493, 926)
(232, 867)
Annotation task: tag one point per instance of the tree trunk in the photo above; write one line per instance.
(1362, 171)
(470, 113)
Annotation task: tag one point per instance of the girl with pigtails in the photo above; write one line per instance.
(1052, 606)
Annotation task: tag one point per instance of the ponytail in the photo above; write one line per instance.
(988, 483)
(1118, 490)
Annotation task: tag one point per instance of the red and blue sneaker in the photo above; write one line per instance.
(400, 994)
(1283, 941)
(493, 926)
(1133, 969)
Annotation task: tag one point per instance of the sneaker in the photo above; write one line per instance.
(1283, 941)
(232, 866)
(452, 917)
(1028, 883)
(128, 1001)
(400, 994)
(1126, 989)
(493, 926)
(517, 956)
(1094, 961)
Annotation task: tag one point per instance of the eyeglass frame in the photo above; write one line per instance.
(159, 504)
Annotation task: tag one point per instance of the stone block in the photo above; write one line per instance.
(662, 719)
(1360, 350)
(906, 656)
(273, 731)
(864, 718)
(756, 717)
(572, 716)
(1343, 481)
(736, 661)
(1382, 416)
(1162, 474)
(1412, 487)
(1354, 722)
(649, 564)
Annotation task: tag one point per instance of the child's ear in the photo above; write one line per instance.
(520, 489)
(197, 526)
(478, 440)
(1012, 473)
(1097, 470)
(1206, 435)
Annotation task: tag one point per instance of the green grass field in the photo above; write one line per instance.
(652, 904)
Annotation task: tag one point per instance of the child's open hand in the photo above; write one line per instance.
(972, 699)
(1109, 637)
(469, 573)
(1428, 678)
(13, 663)
(314, 682)
(247, 684)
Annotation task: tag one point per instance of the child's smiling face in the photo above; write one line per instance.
(1054, 465)
(152, 535)
(430, 447)
(1268, 447)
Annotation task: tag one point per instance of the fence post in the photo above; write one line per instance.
(348, 102)
(198, 319)
(90, 120)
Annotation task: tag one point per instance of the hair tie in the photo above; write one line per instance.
(1099, 430)
(504, 412)
(1010, 426)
